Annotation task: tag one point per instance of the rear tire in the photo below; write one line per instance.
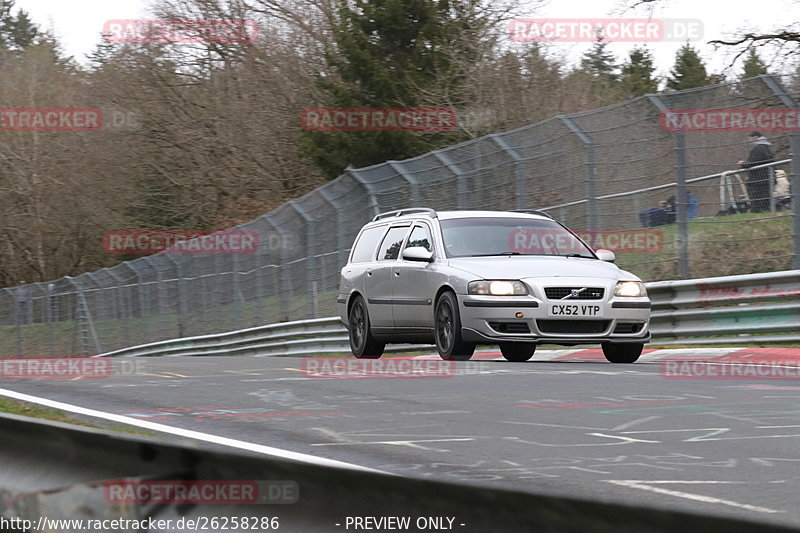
(362, 343)
(517, 352)
(447, 320)
(622, 353)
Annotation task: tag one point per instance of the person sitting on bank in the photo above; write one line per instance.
(662, 215)
(782, 192)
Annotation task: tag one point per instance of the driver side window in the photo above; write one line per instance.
(420, 236)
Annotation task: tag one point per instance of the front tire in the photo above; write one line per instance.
(517, 352)
(362, 343)
(622, 353)
(449, 343)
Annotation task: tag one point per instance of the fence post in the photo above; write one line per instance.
(794, 167)
(520, 181)
(682, 196)
(373, 200)
(410, 178)
(283, 286)
(182, 314)
(342, 244)
(462, 200)
(83, 315)
(591, 172)
(123, 313)
(311, 255)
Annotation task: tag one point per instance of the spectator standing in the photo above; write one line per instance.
(758, 180)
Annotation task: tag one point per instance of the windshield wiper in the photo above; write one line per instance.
(578, 255)
(498, 254)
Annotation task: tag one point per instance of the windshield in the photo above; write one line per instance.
(475, 237)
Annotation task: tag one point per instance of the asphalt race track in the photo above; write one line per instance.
(571, 425)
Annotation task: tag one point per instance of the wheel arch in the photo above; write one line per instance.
(352, 298)
(443, 289)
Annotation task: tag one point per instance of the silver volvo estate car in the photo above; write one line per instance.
(461, 278)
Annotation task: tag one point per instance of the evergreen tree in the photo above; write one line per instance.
(599, 62)
(637, 73)
(753, 65)
(689, 70)
(388, 51)
(16, 32)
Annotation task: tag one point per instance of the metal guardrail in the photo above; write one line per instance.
(763, 308)
(724, 310)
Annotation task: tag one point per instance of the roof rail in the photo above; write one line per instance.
(408, 211)
(533, 212)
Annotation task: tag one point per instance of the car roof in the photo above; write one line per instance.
(449, 215)
(444, 215)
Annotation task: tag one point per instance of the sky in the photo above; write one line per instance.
(78, 23)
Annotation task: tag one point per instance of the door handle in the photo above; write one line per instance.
(397, 274)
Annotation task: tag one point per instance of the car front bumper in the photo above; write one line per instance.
(492, 319)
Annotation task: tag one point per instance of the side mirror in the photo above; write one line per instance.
(605, 255)
(417, 253)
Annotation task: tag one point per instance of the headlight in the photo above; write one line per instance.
(630, 288)
(498, 288)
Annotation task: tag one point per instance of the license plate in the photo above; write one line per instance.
(566, 310)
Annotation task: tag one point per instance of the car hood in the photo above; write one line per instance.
(520, 267)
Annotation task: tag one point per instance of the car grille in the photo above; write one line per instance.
(510, 327)
(590, 293)
(572, 326)
(631, 327)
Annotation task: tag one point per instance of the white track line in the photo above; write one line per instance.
(648, 486)
(206, 437)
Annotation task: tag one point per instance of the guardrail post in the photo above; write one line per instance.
(794, 168)
(462, 200)
(591, 172)
(682, 196)
(520, 181)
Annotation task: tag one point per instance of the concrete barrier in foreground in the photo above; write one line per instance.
(53, 471)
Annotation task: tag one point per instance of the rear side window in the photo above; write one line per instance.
(364, 249)
(390, 247)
